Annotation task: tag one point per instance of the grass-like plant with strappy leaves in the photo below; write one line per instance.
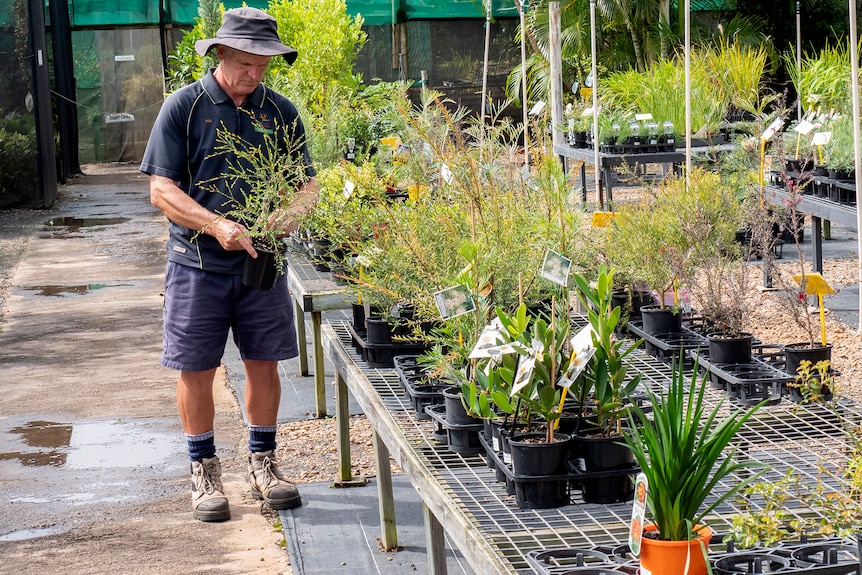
(685, 452)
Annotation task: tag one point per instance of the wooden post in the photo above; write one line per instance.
(301, 340)
(342, 426)
(319, 376)
(435, 544)
(385, 501)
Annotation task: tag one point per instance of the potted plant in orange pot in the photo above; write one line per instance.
(686, 454)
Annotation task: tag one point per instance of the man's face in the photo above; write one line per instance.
(241, 71)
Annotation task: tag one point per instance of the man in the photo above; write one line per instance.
(204, 294)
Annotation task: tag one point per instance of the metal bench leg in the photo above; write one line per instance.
(385, 500)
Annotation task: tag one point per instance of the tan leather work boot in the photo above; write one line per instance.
(208, 500)
(268, 484)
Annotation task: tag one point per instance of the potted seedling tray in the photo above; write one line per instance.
(572, 478)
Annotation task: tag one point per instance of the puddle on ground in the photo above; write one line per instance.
(57, 291)
(24, 534)
(89, 445)
(75, 224)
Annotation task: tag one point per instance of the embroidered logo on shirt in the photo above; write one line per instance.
(263, 124)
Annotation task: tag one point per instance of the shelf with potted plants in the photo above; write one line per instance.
(479, 216)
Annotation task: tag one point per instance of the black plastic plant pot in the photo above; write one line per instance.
(455, 412)
(602, 453)
(358, 315)
(261, 272)
(463, 440)
(657, 319)
(795, 353)
(378, 331)
(535, 463)
(724, 349)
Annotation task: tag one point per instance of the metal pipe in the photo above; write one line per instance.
(854, 86)
(595, 91)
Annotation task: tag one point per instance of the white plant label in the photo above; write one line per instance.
(348, 189)
(636, 527)
(446, 174)
(556, 268)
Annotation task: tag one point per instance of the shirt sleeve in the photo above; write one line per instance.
(166, 153)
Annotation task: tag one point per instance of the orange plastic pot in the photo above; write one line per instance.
(669, 557)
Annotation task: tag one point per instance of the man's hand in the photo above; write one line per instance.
(286, 220)
(231, 235)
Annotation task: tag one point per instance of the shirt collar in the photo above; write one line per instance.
(218, 96)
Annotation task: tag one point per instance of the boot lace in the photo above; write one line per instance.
(206, 480)
(270, 472)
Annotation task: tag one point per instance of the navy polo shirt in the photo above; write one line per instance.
(182, 148)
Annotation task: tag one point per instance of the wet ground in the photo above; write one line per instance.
(93, 472)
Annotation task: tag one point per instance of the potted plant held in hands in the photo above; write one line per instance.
(264, 191)
(682, 449)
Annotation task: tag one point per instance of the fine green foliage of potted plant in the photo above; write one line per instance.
(646, 243)
(710, 214)
(259, 184)
(685, 451)
(814, 381)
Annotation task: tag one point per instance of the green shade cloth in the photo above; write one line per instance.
(109, 13)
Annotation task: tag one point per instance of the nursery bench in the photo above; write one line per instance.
(313, 292)
(819, 209)
(462, 498)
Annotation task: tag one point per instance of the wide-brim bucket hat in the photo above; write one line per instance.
(248, 30)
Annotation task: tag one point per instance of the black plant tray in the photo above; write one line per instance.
(421, 389)
(573, 475)
(750, 383)
(461, 438)
(667, 346)
(825, 557)
(382, 355)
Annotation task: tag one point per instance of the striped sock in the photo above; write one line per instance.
(201, 445)
(261, 438)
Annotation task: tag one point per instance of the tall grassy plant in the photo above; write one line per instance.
(682, 451)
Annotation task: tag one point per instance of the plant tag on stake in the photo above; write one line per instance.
(556, 268)
(772, 129)
(636, 527)
(446, 174)
(348, 189)
(488, 345)
(821, 138)
(454, 301)
(803, 127)
(582, 351)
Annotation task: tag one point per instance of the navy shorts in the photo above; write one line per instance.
(200, 308)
